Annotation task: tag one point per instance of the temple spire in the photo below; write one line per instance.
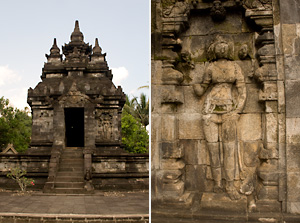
(55, 56)
(76, 34)
(97, 49)
(54, 50)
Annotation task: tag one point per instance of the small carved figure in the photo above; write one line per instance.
(225, 89)
(218, 12)
(105, 126)
(258, 4)
(243, 52)
(180, 8)
(88, 174)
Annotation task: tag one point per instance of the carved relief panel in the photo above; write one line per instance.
(42, 125)
(214, 78)
(106, 128)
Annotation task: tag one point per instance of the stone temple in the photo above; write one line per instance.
(225, 111)
(76, 131)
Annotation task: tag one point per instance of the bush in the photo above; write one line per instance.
(134, 135)
(18, 175)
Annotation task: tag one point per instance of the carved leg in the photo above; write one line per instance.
(229, 149)
(214, 153)
(212, 135)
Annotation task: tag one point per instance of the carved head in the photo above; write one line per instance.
(220, 49)
(243, 52)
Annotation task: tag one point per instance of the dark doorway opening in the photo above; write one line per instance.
(74, 120)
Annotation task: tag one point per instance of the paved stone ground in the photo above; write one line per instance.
(105, 205)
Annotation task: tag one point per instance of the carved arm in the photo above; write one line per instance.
(241, 87)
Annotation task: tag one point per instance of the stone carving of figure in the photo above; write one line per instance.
(105, 126)
(225, 93)
(180, 8)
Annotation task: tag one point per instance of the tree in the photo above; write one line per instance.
(138, 108)
(135, 118)
(134, 135)
(15, 126)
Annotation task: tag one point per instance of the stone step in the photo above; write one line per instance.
(71, 156)
(69, 190)
(71, 161)
(73, 148)
(69, 178)
(69, 185)
(70, 168)
(72, 152)
(68, 173)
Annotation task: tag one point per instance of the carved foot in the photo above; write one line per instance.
(218, 189)
(233, 194)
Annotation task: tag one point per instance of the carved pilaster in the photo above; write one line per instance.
(261, 13)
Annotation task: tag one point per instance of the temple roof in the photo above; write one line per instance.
(78, 55)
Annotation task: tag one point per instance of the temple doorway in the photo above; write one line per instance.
(74, 122)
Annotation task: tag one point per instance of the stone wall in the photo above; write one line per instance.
(36, 167)
(110, 172)
(290, 37)
(126, 172)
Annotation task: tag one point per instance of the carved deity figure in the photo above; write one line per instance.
(224, 89)
(105, 126)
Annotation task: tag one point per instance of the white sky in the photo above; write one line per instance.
(28, 29)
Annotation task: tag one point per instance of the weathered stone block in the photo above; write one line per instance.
(292, 66)
(251, 150)
(195, 177)
(192, 103)
(249, 126)
(172, 164)
(293, 186)
(293, 130)
(293, 158)
(191, 150)
(171, 76)
(289, 11)
(155, 104)
(271, 131)
(268, 192)
(171, 150)
(271, 106)
(172, 94)
(190, 126)
(293, 207)
(232, 24)
(155, 128)
(172, 176)
(156, 72)
(173, 191)
(292, 98)
(155, 156)
(203, 157)
(281, 128)
(168, 127)
(197, 73)
(212, 202)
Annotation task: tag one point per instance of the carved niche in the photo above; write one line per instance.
(105, 126)
(74, 98)
(218, 87)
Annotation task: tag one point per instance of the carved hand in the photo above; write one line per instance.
(199, 89)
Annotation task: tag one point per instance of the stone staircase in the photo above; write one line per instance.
(70, 175)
